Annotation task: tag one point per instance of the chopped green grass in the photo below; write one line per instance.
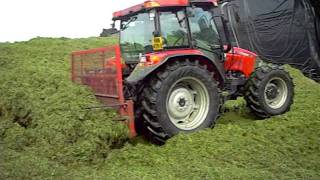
(60, 141)
(43, 123)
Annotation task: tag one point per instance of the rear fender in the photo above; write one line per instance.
(142, 72)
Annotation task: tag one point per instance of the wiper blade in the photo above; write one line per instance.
(129, 22)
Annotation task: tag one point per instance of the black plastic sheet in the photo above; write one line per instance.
(279, 31)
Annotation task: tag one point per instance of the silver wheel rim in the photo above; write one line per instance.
(188, 103)
(276, 93)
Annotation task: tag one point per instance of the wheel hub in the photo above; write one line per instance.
(188, 103)
(276, 93)
(272, 91)
(181, 103)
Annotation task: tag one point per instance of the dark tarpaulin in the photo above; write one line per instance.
(316, 5)
(280, 31)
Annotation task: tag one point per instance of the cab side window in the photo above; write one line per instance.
(203, 28)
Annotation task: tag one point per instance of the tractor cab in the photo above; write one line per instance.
(163, 25)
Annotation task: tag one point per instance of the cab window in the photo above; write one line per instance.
(174, 29)
(203, 29)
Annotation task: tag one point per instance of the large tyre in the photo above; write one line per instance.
(270, 91)
(181, 97)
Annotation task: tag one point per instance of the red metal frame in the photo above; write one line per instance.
(101, 69)
(162, 3)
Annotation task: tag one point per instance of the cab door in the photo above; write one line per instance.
(205, 36)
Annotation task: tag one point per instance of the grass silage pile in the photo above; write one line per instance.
(43, 124)
(45, 133)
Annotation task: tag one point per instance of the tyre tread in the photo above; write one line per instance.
(252, 90)
(148, 99)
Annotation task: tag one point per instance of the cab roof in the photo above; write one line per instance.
(156, 4)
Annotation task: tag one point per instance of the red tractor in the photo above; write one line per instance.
(171, 72)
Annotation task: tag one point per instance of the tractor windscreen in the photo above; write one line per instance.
(136, 36)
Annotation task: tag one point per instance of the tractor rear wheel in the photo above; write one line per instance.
(270, 91)
(180, 97)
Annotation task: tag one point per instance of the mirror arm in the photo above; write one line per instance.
(113, 25)
(227, 34)
(225, 27)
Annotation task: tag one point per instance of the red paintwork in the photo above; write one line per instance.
(240, 60)
(163, 3)
(166, 3)
(91, 51)
(101, 69)
(163, 54)
(128, 11)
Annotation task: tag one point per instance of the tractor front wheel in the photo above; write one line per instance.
(270, 91)
(181, 97)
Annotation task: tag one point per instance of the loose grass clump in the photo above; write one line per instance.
(43, 123)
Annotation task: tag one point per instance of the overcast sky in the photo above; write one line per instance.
(21, 20)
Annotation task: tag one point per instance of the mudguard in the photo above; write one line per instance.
(142, 71)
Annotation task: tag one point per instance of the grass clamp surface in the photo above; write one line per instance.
(46, 134)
